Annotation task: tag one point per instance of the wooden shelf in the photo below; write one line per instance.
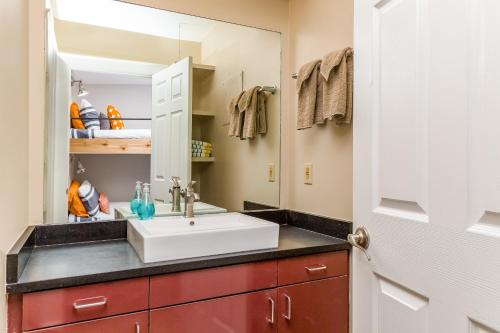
(202, 71)
(110, 146)
(203, 113)
(203, 159)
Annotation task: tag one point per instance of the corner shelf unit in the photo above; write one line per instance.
(200, 71)
(202, 159)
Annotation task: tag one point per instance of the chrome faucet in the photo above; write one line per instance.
(189, 199)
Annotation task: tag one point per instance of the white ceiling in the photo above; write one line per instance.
(123, 16)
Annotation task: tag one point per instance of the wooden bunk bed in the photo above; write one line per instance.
(110, 146)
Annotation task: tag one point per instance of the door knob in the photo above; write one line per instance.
(360, 239)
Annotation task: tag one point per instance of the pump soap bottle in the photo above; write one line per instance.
(146, 209)
(136, 201)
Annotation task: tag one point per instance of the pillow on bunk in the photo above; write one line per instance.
(90, 198)
(115, 118)
(89, 115)
(104, 121)
(104, 203)
(75, 204)
(75, 113)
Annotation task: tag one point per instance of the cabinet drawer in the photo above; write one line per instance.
(132, 323)
(313, 267)
(191, 286)
(69, 305)
(252, 312)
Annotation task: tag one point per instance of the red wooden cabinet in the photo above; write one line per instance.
(308, 294)
(314, 307)
(246, 313)
(133, 323)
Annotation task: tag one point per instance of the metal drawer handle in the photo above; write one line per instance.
(317, 268)
(271, 320)
(137, 328)
(288, 316)
(102, 302)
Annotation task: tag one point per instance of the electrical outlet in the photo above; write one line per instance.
(308, 173)
(271, 175)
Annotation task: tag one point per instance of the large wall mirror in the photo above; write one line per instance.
(141, 94)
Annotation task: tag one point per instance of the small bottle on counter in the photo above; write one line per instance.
(146, 210)
(136, 201)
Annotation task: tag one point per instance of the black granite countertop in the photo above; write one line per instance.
(78, 263)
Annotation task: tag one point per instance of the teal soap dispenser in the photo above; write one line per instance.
(136, 201)
(146, 209)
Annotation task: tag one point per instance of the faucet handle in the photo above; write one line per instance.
(176, 181)
(190, 185)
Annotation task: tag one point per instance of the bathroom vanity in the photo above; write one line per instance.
(88, 278)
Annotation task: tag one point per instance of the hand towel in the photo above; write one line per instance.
(337, 76)
(248, 104)
(310, 95)
(262, 113)
(234, 116)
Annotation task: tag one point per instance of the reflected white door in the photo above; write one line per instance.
(427, 166)
(58, 120)
(171, 127)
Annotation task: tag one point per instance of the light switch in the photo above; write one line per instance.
(308, 173)
(271, 175)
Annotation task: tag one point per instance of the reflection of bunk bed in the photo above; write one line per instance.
(110, 146)
(110, 141)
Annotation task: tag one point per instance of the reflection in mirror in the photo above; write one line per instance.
(149, 95)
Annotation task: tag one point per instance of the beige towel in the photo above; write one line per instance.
(309, 89)
(248, 104)
(337, 73)
(262, 113)
(234, 116)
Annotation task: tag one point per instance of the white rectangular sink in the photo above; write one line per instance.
(165, 209)
(177, 237)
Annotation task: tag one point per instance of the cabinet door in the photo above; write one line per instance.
(314, 307)
(245, 313)
(132, 323)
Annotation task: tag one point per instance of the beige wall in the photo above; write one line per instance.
(14, 134)
(240, 170)
(318, 27)
(112, 43)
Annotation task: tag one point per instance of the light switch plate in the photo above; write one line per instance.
(308, 173)
(271, 173)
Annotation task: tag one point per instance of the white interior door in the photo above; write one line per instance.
(59, 99)
(427, 166)
(171, 127)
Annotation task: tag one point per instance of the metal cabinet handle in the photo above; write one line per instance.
(317, 268)
(288, 316)
(361, 240)
(78, 306)
(271, 320)
(137, 328)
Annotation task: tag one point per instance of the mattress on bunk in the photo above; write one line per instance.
(100, 216)
(109, 134)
